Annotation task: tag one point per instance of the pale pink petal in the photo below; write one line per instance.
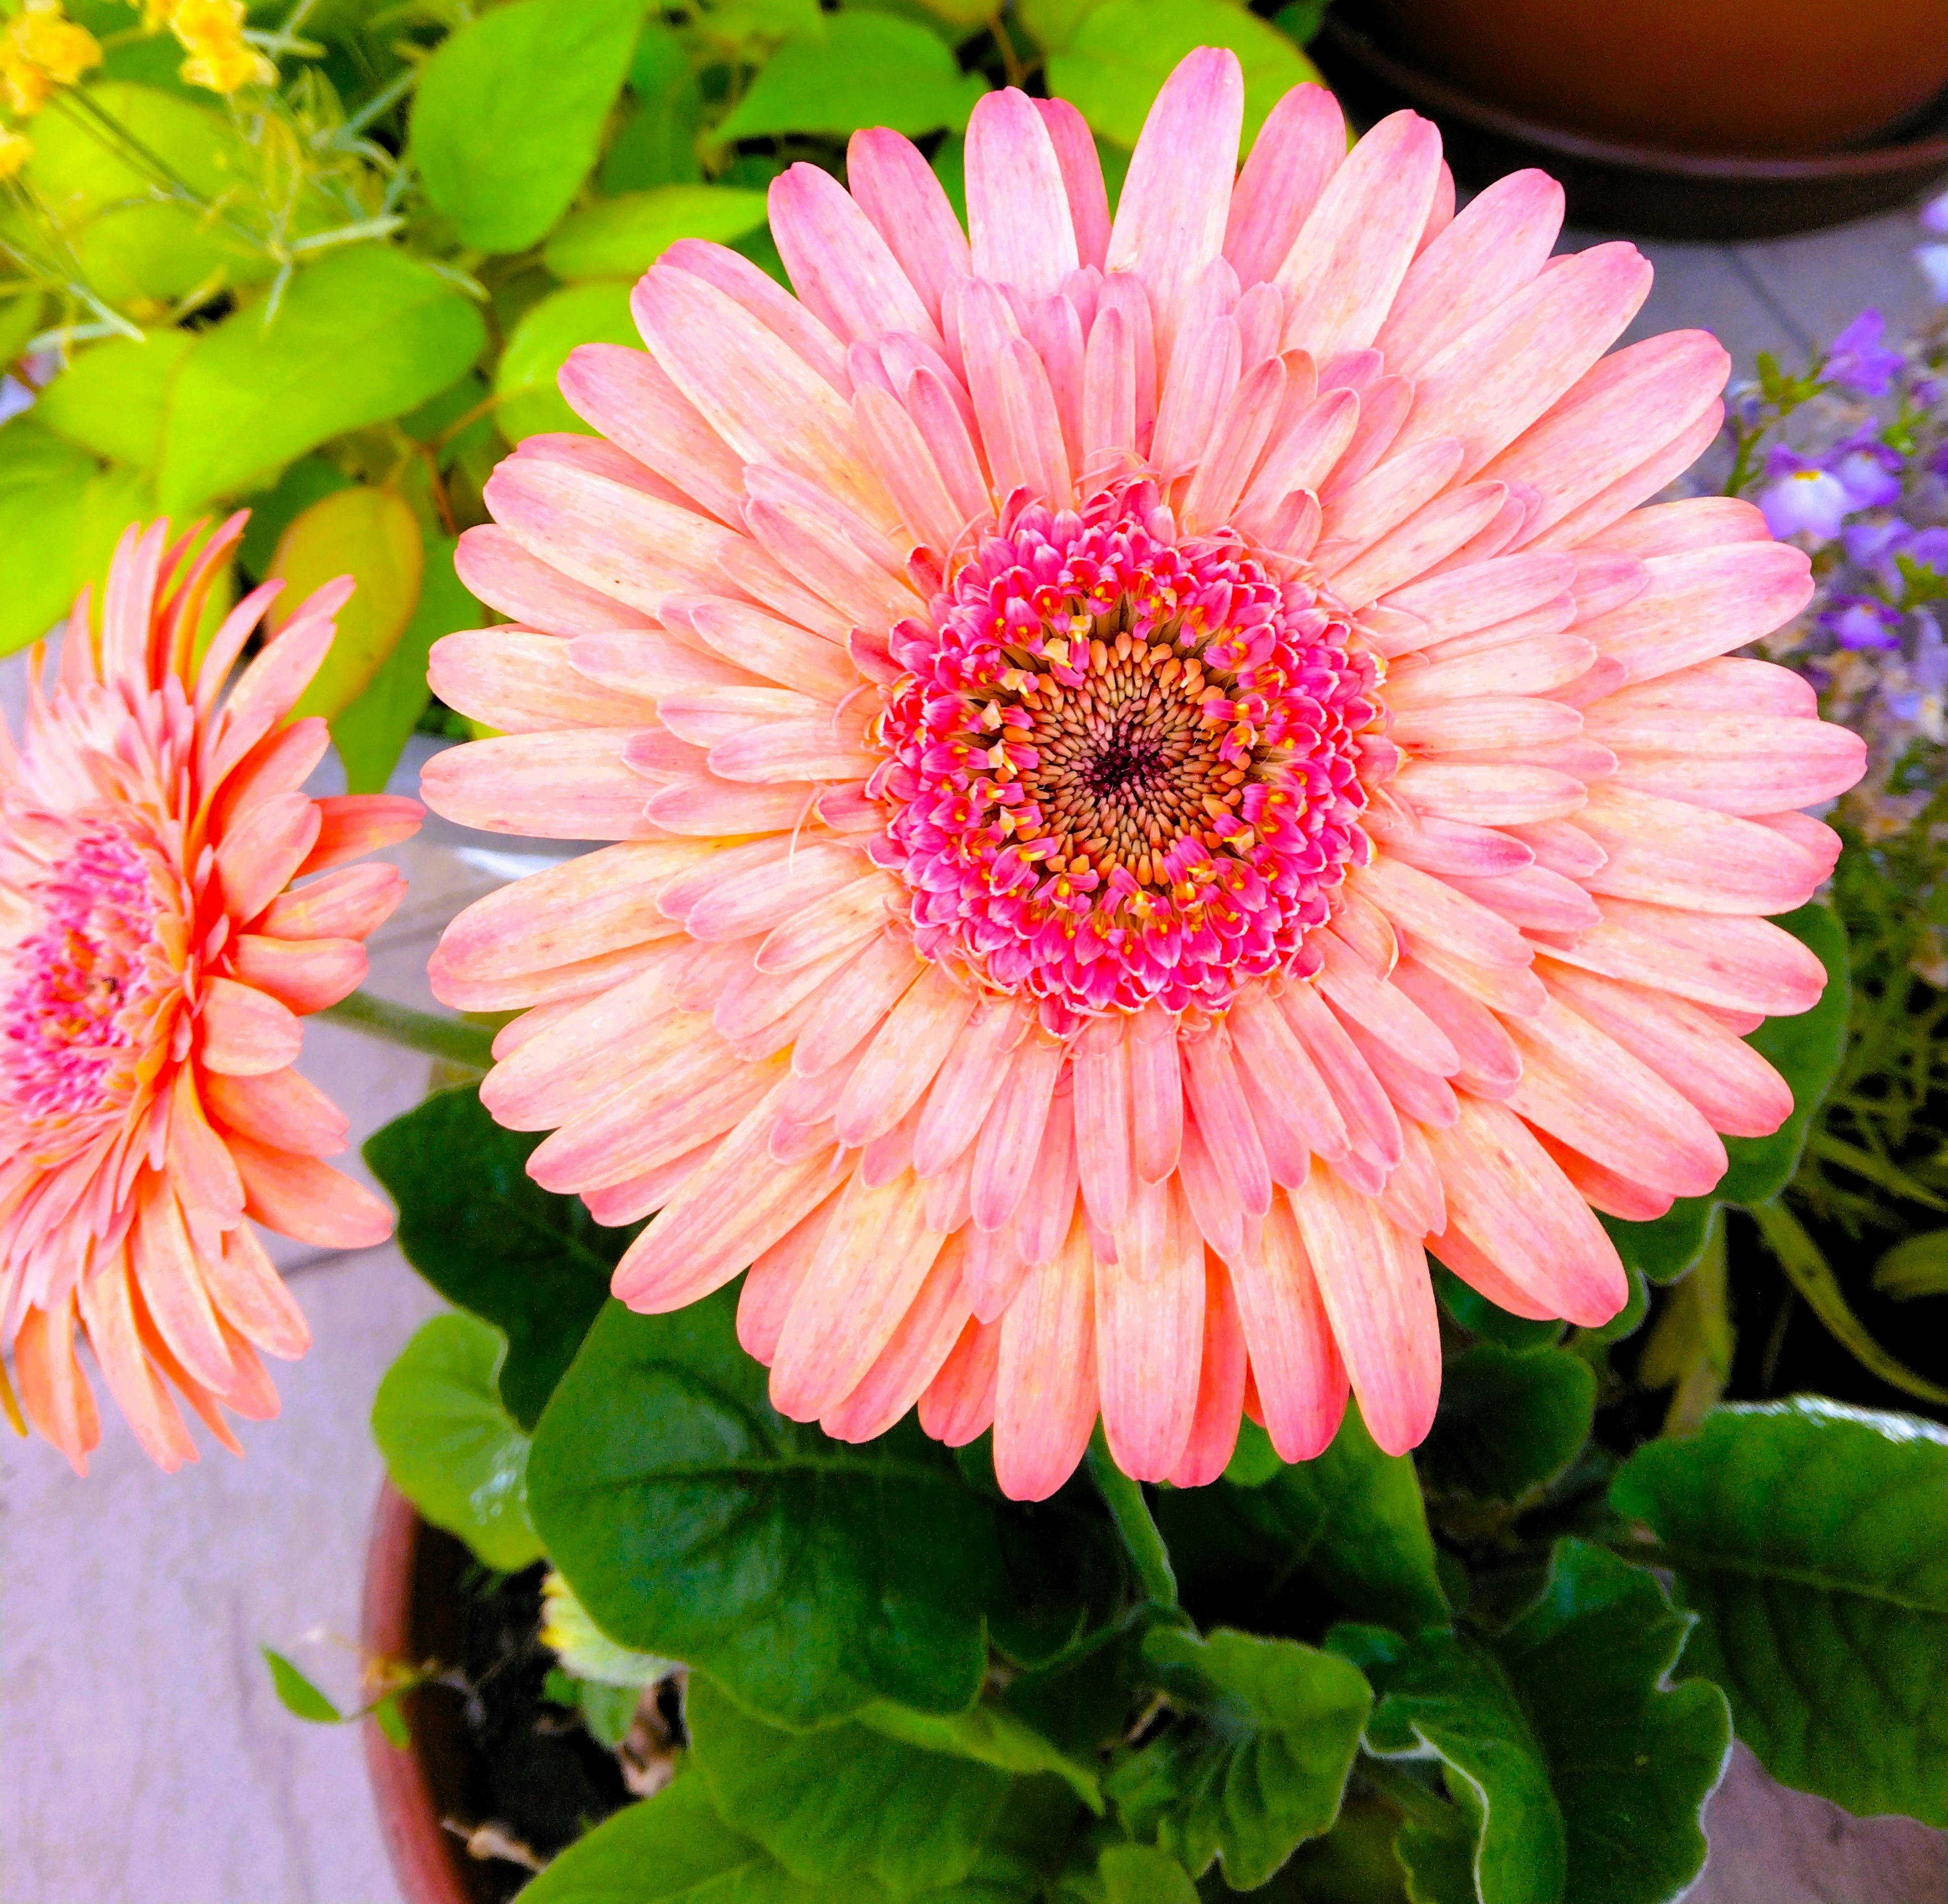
(1045, 1398)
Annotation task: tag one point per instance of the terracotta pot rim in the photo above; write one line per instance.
(1912, 154)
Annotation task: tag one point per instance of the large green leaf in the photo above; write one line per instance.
(1445, 1694)
(448, 1442)
(487, 1236)
(1480, 1317)
(844, 1800)
(44, 485)
(509, 110)
(110, 399)
(1119, 53)
(1813, 1540)
(1580, 1773)
(692, 1520)
(873, 70)
(657, 146)
(1140, 1874)
(361, 336)
(371, 733)
(530, 401)
(1509, 1422)
(1259, 1764)
(989, 1735)
(622, 238)
(1351, 1523)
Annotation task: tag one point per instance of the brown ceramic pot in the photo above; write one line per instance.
(412, 1613)
(1761, 78)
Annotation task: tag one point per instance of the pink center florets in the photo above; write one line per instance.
(77, 1016)
(1124, 767)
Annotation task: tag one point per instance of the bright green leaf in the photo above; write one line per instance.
(509, 111)
(371, 535)
(657, 146)
(608, 1711)
(20, 320)
(1664, 1247)
(991, 1735)
(361, 335)
(845, 1800)
(1253, 1461)
(525, 382)
(110, 398)
(1120, 52)
(370, 734)
(1051, 24)
(488, 1237)
(389, 1716)
(873, 70)
(672, 1847)
(43, 491)
(448, 1443)
(1509, 1422)
(1352, 1521)
(1813, 1540)
(1258, 1764)
(1140, 1874)
(1918, 1266)
(296, 1694)
(1480, 1317)
(692, 1520)
(310, 479)
(622, 238)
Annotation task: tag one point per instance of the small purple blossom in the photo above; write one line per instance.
(1935, 217)
(1799, 497)
(1933, 259)
(1859, 363)
(1869, 469)
(1929, 670)
(1875, 545)
(1929, 550)
(1861, 623)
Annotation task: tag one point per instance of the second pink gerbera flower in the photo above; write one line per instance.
(1160, 771)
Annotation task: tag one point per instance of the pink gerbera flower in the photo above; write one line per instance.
(156, 970)
(1161, 772)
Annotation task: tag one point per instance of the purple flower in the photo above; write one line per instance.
(1934, 216)
(1929, 670)
(1870, 470)
(1858, 621)
(1929, 550)
(1875, 545)
(1933, 259)
(1801, 498)
(1857, 362)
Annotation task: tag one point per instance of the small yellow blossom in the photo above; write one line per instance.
(41, 49)
(211, 32)
(16, 149)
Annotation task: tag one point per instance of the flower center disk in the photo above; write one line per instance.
(1124, 767)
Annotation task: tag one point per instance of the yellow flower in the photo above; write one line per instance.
(211, 32)
(41, 49)
(16, 149)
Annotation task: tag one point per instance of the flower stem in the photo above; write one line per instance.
(1130, 1512)
(439, 1036)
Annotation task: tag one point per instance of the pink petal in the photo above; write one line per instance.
(1018, 217)
(1045, 1399)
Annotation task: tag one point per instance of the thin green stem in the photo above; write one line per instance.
(451, 1038)
(1130, 1512)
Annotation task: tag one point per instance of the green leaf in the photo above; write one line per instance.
(296, 1694)
(692, 1520)
(310, 479)
(845, 1800)
(525, 382)
(873, 70)
(1627, 1320)
(43, 494)
(669, 1847)
(488, 1237)
(608, 1711)
(1480, 1317)
(390, 1717)
(990, 1735)
(622, 238)
(20, 320)
(1120, 53)
(1813, 1540)
(1260, 1767)
(361, 335)
(1664, 1248)
(1918, 1267)
(372, 535)
(1806, 1051)
(657, 144)
(1253, 1461)
(1509, 1422)
(1140, 1874)
(127, 243)
(509, 109)
(370, 734)
(1352, 1522)
(110, 399)
(448, 1442)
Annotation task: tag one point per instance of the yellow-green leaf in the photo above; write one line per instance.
(1917, 1267)
(111, 398)
(370, 533)
(43, 485)
(525, 383)
(622, 238)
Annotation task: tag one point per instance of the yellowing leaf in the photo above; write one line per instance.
(622, 238)
(369, 534)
